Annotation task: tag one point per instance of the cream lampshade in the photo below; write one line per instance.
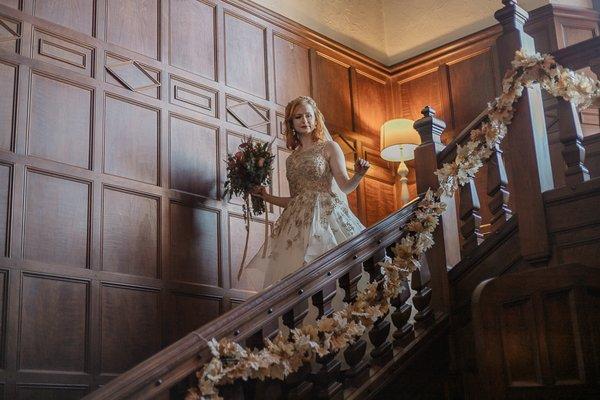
(398, 141)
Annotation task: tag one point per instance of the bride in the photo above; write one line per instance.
(316, 217)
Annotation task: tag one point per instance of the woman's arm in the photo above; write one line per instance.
(337, 164)
(261, 191)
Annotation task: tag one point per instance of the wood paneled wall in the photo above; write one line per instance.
(115, 118)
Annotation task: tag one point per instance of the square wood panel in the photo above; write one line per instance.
(8, 104)
(332, 91)
(57, 219)
(292, 70)
(193, 21)
(237, 237)
(193, 155)
(51, 392)
(134, 25)
(245, 55)
(195, 245)
(128, 338)
(63, 52)
(131, 140)
(60, 129)
(130, 233)
(3, 321)
(53, 330)
(194, 96)
(79, 15)
(189, 312)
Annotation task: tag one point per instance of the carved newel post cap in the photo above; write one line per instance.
(510, 2)
(428, 111)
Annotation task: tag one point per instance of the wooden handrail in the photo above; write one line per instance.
(182, 358)
(448, 153)
(579, 55)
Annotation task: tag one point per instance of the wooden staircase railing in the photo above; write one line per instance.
(417, 315)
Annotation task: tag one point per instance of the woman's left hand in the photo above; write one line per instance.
(361, 166)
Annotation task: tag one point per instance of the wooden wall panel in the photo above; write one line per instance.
(128, 337)
(6, 177)
(245, 55)
(236, 248)
(51, 392)
(11, 3)
(130, 233)
(372, 104)
(3, 321)
(8, 96)
(134, 24)
(416, 92)
(292, 70)
(472, 85)
(189, 312)
(195, 245)
(191, 170)
(50, 200)
(79, 15)
(131, 140)
(59, 308)
(60, 130)
(379, 200)
(332, 91)
(193, 21)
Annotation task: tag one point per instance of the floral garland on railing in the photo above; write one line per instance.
(285, 354)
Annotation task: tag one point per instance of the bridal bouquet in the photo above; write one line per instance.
(248, 168)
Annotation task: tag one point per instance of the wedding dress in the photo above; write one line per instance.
(316, 220)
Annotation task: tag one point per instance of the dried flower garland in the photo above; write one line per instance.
(286, 354)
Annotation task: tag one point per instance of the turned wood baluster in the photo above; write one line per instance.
(470, 218)
(297, 386)
(405, 331)
(571, 137)
(383, 349)
(326, 378)
(419, 282)
(497, 190)
(270, 388)
(357, 371)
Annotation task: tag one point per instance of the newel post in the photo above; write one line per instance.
(445, 252)
(526, 144)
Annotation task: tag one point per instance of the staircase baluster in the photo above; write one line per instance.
(470, 218)
(571, 137)
(497, 190)
(269, 389)
(357, 371)
(383, 349)
(297, 385)
(326, 378)
(419, 282)
(405, 331)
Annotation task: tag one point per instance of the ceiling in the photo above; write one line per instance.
(391, 31)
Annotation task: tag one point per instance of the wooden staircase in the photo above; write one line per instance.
(425, 348)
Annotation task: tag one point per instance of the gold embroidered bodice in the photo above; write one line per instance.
(309, 170)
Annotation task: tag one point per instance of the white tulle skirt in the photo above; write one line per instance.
(313, 223)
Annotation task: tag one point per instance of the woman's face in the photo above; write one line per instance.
(303, 119)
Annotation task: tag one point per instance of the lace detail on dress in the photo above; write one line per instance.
(309, 170)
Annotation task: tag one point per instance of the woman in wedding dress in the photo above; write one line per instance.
(316, 217)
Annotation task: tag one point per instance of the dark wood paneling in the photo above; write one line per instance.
(58, 308)
(189, 312)
(8, 96)
(332, 91)
(379, 200)
(193, 96)
(65, 53)
(131, 140)
(60, 130)
(245, 55)
(191, 170)
(10, 38)
(3, 321)
(11, 3)
(128, 337)
(472, 86)
(130, 233)
(236, 248)
(51, 392)
(132, 75)
(75, 14)
(195, 245)
(371, 104)
(193, 21)
(292, 70)
(417, 92)
(51, 200)
(134, 24)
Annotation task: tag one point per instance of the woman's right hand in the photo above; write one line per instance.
(258, 191)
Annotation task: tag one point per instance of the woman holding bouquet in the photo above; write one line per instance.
(316, 217)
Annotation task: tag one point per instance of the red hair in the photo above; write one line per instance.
(291, 138)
